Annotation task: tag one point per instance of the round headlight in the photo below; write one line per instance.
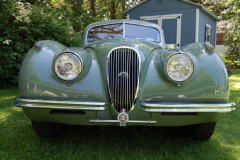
(68, 66)
(179, 67)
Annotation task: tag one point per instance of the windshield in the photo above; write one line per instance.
(99, 33)
(142, 32)
(115, 31)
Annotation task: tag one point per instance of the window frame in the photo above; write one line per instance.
(208, 32)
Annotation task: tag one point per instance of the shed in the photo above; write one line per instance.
(183, 22)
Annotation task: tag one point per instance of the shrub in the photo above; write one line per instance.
(23, 24)
(232, 39)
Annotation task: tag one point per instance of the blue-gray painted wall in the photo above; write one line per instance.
(188, 11)
(203, 20)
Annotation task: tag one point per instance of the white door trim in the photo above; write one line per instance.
(197, 25)
(159, 18)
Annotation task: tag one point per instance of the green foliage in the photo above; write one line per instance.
(23, 24)
(78, 19)
(232, 37)
(232, 40)
(231, 65)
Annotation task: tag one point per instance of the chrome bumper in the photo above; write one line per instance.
(117, 121)
(186, 108)
(69, 105)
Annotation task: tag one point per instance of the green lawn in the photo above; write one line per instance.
(19, 141)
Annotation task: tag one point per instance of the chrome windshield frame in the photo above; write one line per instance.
(162, 43)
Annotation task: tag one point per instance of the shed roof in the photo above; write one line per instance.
(197, 5)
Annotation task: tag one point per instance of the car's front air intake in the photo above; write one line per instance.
(123, 66)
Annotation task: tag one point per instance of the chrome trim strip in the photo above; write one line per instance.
(124, 30)
(116, 121)
(69, 105)
(184, 108)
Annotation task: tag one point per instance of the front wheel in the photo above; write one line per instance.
(48, 129)
(202, 132)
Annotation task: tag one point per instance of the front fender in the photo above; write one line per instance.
(209, 83)
(37, 78)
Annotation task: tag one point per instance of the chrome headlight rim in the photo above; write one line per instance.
(192, 64)
(79, 60)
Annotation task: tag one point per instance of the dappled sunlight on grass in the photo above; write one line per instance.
(4, 115)
(235, 85)
(234, 81)
(6, 98)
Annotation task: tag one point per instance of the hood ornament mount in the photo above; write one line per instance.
(124, 43)
(123, 117)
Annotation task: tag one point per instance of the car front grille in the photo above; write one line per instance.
(123, 68)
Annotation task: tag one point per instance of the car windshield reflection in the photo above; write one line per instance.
(115, 31)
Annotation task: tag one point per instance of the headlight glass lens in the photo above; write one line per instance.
(68, 66)
(179, 67)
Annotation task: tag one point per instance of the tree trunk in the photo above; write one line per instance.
(73, 5)
(123, 2)
(92, 7)
(77, 6)
(112, 9)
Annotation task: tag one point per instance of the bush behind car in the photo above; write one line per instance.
(22, 25)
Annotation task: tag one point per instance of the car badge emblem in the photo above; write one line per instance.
(124, 43)
(123, 117)
(123, 74)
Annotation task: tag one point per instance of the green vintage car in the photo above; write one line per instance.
(123, 75)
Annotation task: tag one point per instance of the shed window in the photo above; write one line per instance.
(208, 34)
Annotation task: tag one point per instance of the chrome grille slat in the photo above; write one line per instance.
(123, 67)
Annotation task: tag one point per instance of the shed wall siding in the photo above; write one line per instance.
(203, 20)
(151, 8)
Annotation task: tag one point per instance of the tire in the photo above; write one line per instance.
(202, 132)
(48, 129)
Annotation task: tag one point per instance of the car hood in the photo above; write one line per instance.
(103, 48)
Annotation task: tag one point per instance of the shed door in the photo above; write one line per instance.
(171, 25)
